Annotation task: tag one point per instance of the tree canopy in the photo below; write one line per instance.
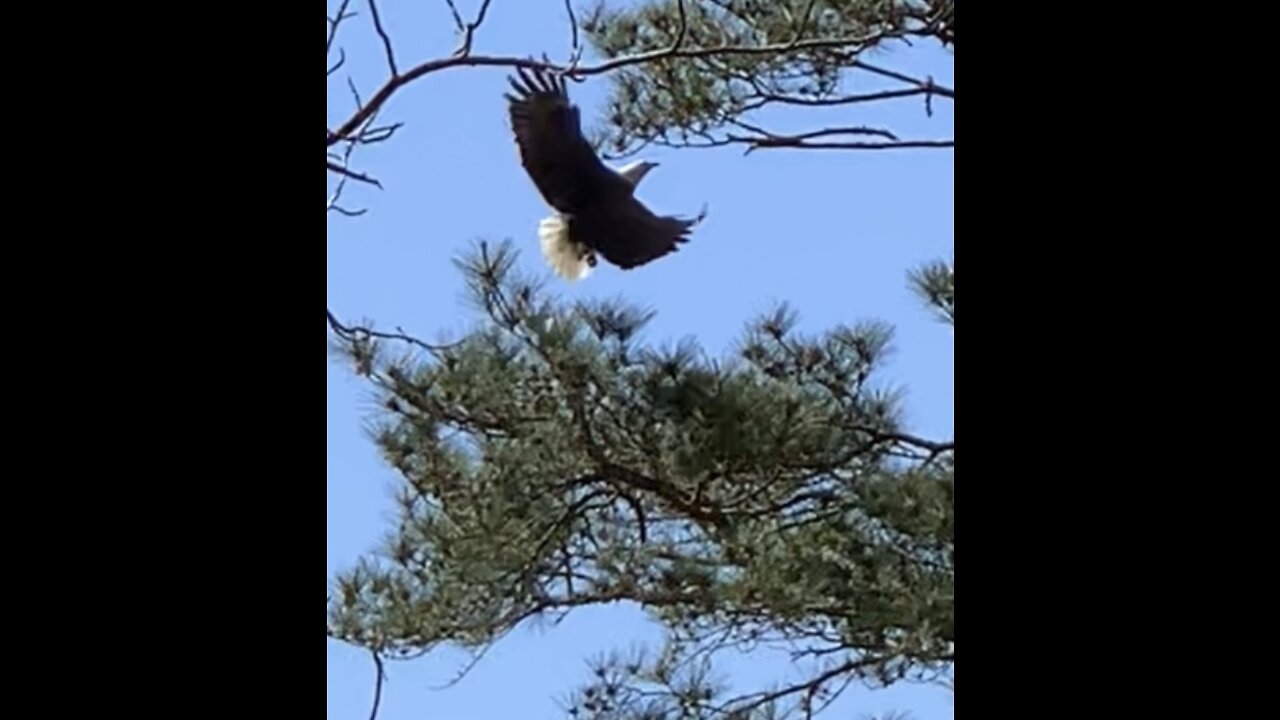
(552, 460)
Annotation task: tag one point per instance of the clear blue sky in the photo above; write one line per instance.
(831, 232)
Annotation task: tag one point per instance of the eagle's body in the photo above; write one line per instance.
(596, 209)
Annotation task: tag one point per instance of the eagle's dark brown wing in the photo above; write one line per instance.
(562, 164)
(627, 234)
(598, 208)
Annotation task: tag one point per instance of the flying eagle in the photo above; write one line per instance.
(596, 208)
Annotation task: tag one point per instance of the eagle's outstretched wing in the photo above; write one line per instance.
(601, 212)
(628, 234)
(562, 164)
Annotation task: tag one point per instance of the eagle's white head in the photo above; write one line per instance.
(634, 172)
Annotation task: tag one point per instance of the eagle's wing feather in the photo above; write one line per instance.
(629, 235)
(562, 164)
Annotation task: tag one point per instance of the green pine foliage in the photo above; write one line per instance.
(798, 54)
(553, 459)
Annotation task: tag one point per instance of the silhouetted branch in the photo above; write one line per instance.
(355, 94)
(350, 332)
(357, 127)
(809, 687)
(466, 670)
(457, 16)
(379, 134)
(386, 40)
(335, 21)
(349, 213)
(763, 139)
(342, 185)
(366, 135)
(763, 143)
(926, 84)
(469, 33)
(842, 99)
(930, 445)
(462, 57)
(826, 132)
(575, 53)
(342, 58)
(378, 682)
(335, 167)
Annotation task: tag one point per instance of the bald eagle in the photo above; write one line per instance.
(596, 211)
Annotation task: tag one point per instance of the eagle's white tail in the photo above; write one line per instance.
(568, 259)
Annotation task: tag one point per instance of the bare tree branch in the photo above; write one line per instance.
(350, 332)
(357, 127)
(342, 58)
(378, 682)
(465, 671)
(457, 16)
(355, 94)
(469, 33)
(386, 41)
(342, 185)
(843, 99)
(463, 58)
(335, 21)
(896, 145)
(335, 167)
(927, 83)
(808, 687)
(766, 140)
(575, 53)
(826, 132)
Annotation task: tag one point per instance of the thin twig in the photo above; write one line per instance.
(386, 40)
(335, 167)
(357, 332)
(377, 688)
(335, 21)
(342, 58)
(844, 99)
(366, 135)
(765, 143)
(351, 85)
(342, 185)
(466, 670)
(469, 32)
(825, 132)
(457, 16)
(575, 51)
(807, 686)
(927, 83)
(760, 143)
(372, 136)
(683, 28)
